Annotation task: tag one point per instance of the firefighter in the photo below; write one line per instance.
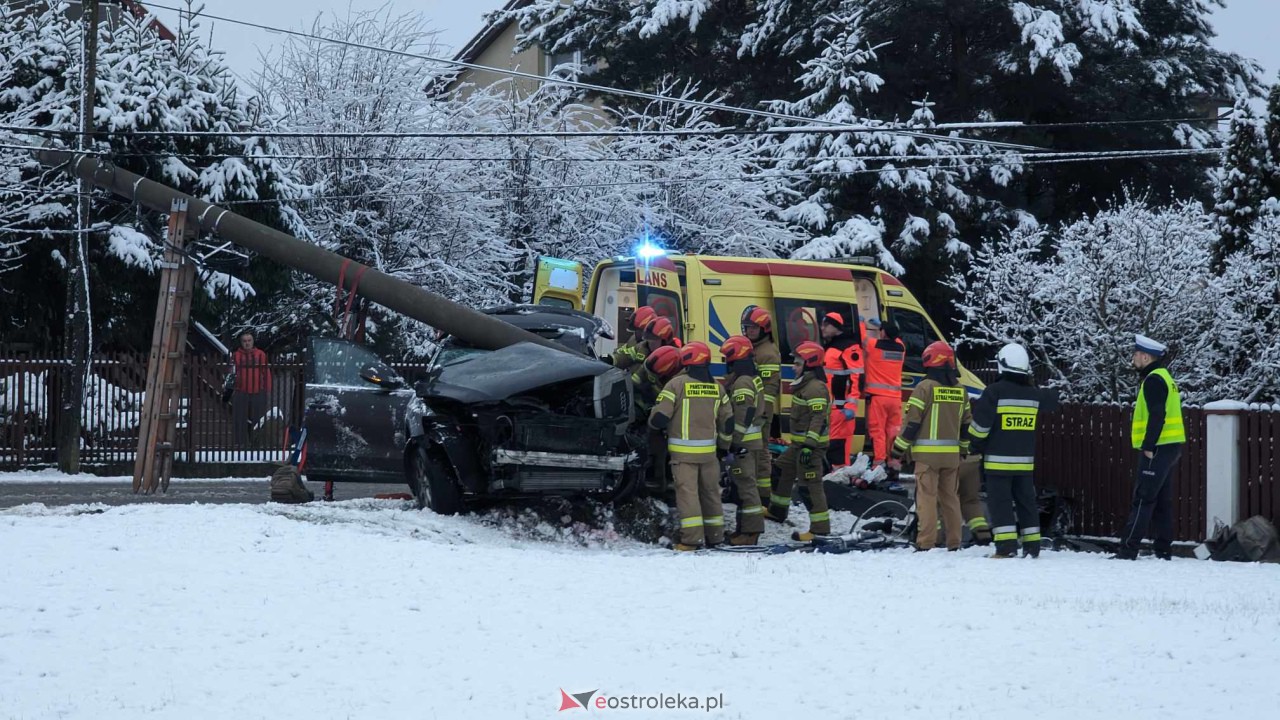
(628, 353)
(657, 370)
(843, 361)
(757, 325)
(746, 392)
(936, 433)
(660, 333)
(696, 415)
(1159, 435)
(801, 463)
(1005, 418)
(884, 360)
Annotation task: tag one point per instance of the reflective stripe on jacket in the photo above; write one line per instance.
(884, 361)
(810, 403)
(1005, 421)
(769, 364)
(700, 418)
(939, 413)
(746, 392)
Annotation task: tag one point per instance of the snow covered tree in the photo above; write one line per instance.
(386, 201)
(145, 83)
(1075, 296)
(879, 61)
(1247, 331)
(1246, 176)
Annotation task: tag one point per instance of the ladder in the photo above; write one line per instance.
(162, 399)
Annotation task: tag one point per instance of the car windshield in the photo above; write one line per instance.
(454, 354)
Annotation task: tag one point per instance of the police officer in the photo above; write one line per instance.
(757, 326)
(1005, 419)
(696, 415)
(937, 419)
(629, 353)
(843, 361)
(885, 356)
(1159, 435)
(746, 392)
(802, 461)
(647, 381)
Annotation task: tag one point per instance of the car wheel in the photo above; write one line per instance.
(433, 484)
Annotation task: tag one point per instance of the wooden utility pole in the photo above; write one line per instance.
(76, 342)
(162, 400)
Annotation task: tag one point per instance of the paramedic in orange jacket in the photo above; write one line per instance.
(883, 389)
(843, 363)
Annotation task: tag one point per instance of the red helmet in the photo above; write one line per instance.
(662, 329)
(758, 316)
(939, 354)
(810, 353)
(663, 362)
(834, 318)
(695, 354)
(736, 348)
(643, 317)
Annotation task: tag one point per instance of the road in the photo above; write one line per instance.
(181, 491)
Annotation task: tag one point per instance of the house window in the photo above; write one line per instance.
(565, 64)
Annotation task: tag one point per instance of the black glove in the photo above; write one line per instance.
(806, 454)
(722, 455)
(738, 451)
(607, 359)
(226, 395)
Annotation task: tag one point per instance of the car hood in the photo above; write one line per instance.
(501, 374)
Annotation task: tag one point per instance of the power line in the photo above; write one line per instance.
(1089, 157)
(606, 90)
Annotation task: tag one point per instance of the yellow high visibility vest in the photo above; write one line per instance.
(1173, 431)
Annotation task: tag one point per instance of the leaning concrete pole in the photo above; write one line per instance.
(474, 327)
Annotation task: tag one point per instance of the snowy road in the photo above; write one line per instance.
(369, 609)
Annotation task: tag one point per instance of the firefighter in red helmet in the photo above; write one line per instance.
(746, 393)
(757, 326)
(936, 433)
(801, 463)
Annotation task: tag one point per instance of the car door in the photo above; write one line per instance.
(658, 286)
(355, 428)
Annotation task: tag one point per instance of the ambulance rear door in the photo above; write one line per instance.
(558, 283)
(658, 286)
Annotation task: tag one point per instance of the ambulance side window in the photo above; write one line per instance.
(916, 333)
(797, 321)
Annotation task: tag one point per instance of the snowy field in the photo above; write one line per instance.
(371, 609)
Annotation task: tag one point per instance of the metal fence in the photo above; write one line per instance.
(205, 442)
(1085, 454)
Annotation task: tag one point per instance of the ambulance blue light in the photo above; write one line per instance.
(648, 250)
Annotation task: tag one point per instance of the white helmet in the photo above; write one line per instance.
(1013, 358)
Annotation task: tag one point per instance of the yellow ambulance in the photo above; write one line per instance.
(704, 297)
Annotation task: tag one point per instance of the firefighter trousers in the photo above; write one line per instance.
(807, 476)
(938, 486)
(698, 501)
(1014, 513)
(971, 501)
(764, 473)
(884, 422)
(1152, 501)
(743, 472)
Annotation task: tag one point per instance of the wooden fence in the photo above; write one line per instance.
(1260, 464)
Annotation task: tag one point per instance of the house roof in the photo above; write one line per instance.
(473, 49)
(137, 10)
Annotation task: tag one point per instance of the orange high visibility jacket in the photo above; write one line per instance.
(884, 367)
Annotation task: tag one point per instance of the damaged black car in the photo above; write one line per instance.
(484, 425)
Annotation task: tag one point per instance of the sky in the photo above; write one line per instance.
(1244, 26)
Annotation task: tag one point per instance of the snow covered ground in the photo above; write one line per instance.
(371, 609)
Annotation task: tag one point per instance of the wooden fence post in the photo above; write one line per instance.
(1222, 460)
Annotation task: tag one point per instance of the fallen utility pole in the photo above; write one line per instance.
(472, 327)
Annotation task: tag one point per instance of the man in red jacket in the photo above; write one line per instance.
(252, 386)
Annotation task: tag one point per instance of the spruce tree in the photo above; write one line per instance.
(1243, 183)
